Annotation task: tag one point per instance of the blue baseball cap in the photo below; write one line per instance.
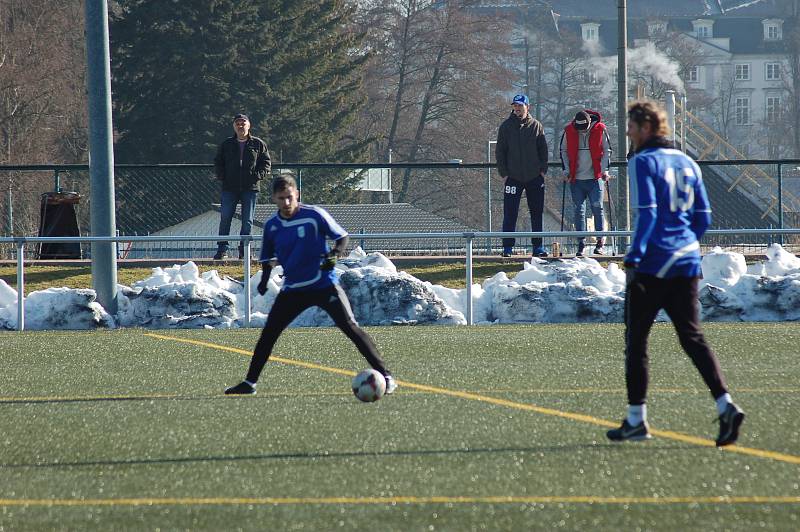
(521, 99)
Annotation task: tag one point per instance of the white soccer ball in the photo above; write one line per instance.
(369, 386)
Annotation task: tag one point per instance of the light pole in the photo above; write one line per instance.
(489, 195)
(391, 199)
(527, 70)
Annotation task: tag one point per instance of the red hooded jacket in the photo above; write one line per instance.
(596, 132)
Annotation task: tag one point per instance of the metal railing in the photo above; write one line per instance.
(151, 197)
(468, 237)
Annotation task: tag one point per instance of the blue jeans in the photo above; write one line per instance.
(228, 208)
(591, 189)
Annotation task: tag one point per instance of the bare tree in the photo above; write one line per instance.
(434, 83)
(42, 111)
(723, 110)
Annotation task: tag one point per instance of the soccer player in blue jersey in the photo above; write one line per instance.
(663, 267)
(296, 237)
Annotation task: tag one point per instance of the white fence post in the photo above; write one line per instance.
(21, 285)
(468, 237)
(247, 283)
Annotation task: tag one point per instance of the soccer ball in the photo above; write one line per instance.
(369, 386)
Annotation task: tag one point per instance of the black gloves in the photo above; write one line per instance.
(262, 285)
(328, 261)
(265, 273)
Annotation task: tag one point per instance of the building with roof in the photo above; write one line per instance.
(730, 57)
(355, 218)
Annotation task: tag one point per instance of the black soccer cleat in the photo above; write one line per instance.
(628, 432)
(243, 388)
(729, 423)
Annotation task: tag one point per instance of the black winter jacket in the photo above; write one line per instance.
(255, 164)
(521, 150)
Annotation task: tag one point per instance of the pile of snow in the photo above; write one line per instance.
(562, 291)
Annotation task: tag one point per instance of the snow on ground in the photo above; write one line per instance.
(562, 291)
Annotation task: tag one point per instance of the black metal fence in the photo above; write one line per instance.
(179, 199)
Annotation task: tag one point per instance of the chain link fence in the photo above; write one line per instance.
(183, 199)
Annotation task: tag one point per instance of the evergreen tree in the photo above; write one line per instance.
(315, 90)
(181, 70)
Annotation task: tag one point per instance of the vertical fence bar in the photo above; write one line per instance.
(489, 195)
(247, 283)
(469, 237)
(780, 202)
(21, 285)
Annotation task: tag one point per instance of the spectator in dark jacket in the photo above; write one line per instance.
(242, 161)
(521, 154)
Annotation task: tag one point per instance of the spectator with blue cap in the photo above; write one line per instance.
(521, 154)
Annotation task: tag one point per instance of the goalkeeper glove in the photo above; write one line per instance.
(262, 286)
(328, 261)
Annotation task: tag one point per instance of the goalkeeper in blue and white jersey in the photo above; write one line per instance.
(296, 237)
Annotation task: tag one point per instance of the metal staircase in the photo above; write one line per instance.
(750, 183)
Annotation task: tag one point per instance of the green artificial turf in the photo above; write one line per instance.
(492, 428)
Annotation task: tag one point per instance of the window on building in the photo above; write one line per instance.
(590, 31)
(772, 71)
(703, 28)
(693, 74)
(656, 28)
(742, 72)
(590, 77)
(773, 29)
(742, 109)
(773, 111)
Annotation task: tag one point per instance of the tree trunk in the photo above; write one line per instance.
(423, 120)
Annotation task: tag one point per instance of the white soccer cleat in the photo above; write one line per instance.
(391, 384)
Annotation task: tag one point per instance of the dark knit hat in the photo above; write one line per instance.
(582, 121)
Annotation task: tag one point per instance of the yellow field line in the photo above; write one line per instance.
(271, 501)
(677, 436)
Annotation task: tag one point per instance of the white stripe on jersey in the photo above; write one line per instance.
(305, 283)
(675, 256)
(298, 221)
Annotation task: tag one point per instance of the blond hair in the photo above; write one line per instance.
(641, 111)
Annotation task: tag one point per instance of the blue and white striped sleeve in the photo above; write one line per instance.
(267, 244)
(643, 201)
(332, 229)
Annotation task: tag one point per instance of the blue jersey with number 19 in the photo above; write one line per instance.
(299, 244)
(671, 211)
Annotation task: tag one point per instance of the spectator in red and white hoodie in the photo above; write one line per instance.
(585, 154)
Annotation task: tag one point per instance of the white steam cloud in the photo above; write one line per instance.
(645, 60)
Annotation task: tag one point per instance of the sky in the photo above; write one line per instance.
(569, 290)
